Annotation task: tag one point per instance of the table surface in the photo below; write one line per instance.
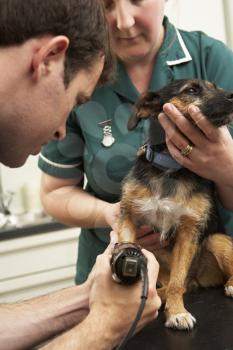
(213, 330)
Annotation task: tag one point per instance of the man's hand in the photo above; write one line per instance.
(116, 305)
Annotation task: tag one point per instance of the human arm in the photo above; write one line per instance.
(30, 322)
(112, 309)
(212, 153)
(34, 321)
(92, 212)
(76, 206)
(62, 164)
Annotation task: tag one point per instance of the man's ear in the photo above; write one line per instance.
(50, 51)
(149, 105)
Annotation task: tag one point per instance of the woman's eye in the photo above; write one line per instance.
(108, 4)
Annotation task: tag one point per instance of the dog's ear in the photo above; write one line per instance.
(149, 105)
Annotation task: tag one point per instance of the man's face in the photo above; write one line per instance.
(34, 114)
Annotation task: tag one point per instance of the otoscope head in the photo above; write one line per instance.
(126, 262)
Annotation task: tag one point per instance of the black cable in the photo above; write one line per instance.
(145, 284)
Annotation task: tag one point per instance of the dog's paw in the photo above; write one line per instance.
(229, 291)
(183, 321)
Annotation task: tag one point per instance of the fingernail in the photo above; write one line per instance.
(160, 115)
(162, 119)
(169, 107)
(194, 109)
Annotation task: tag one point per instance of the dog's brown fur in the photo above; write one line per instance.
(179, 205)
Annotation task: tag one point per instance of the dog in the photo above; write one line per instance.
(179, 204)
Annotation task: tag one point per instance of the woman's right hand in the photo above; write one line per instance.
(149, 239)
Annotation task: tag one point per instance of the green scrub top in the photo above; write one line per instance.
(182, 55)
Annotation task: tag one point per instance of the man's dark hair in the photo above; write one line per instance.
(82, 21)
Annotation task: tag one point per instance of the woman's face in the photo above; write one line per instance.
(136, 28)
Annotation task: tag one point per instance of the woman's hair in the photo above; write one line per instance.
(82, 21)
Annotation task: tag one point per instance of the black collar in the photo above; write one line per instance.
(161, 159)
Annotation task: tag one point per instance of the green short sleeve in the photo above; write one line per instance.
(64, 159)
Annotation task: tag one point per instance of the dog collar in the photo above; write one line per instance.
(161, 160)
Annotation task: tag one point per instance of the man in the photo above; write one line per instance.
(52, 53)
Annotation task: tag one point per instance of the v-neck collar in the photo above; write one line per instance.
(172, 52)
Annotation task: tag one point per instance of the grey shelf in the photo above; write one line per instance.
(33, 228)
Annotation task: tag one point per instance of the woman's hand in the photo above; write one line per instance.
(145, 237)
(111, 214)
(211, 155)
(150, 240)
(212, 148)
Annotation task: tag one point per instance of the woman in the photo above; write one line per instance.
(150, 53)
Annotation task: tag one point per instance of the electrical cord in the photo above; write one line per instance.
(144, 295)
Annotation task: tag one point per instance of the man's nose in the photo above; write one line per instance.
(124, 16)
(60, 134)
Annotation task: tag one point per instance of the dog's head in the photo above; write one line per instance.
(216, 104)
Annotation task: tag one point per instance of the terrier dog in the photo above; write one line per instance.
(179, 204)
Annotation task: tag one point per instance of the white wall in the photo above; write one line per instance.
(228, 11)
(205, 15)
(24, 182)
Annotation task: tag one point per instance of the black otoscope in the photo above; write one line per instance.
(129, 265)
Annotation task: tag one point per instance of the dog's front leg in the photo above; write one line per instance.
(182, 255)
(126, 229)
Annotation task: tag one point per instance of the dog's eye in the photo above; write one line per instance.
(192, 90)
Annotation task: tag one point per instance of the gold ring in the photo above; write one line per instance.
(185, 152)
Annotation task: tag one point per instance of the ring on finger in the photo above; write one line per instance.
(185, 152)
